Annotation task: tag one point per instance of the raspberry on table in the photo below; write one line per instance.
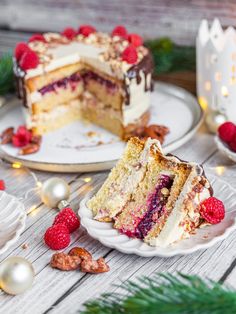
(68, 217)
(2, 185)
(130, 54)
(120, 31)
(227, 131)
(212, 210)
(232, 144)
(57, 237)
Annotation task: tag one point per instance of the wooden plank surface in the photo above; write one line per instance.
(151, 18)
(61, 292)
(65, 292)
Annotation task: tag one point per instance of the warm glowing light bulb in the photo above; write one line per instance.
(16, 165)
(203, 102)
(220, 170)
(224, 91)
(88, 179)
(39, 184)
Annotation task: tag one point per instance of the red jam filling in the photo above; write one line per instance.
(156, 207)
(71, 80)
(89, 75)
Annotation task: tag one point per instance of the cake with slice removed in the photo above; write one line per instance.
(86, 74)
(151, 196)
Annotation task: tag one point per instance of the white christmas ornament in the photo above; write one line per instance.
(16, 275)
(216, 69)
(53, 191)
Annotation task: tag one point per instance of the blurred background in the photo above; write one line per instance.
(175, 21)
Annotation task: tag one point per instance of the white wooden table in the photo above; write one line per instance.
(64, 292)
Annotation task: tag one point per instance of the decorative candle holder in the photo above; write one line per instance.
(216, 73)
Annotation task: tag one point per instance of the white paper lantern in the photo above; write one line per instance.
(216, 69)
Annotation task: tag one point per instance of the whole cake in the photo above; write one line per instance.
(154, 197)
(100, 77)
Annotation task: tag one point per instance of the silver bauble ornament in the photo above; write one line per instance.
(16, 275)
(214, 119)
(53, 191)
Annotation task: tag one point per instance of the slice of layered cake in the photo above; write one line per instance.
(100, 77)
(151, 196)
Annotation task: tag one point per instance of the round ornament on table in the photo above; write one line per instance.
(214, 119)
(16, 275)
(53, 191)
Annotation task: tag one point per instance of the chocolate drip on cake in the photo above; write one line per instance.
(146, 66)
(19, 76)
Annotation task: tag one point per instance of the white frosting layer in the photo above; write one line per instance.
(139, 100)
(173, 230)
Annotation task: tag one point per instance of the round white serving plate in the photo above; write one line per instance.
(71, 149)
(12, 220)
(224, 149)
(204, 238)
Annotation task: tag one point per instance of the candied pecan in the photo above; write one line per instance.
(94, 267)
(7, 135)
(80, 252)
(36, 139)
(29, 149)
(156, 132)
(64, 261)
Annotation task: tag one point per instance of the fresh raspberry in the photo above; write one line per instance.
(69, 218)
(57, 237)
(130, 54)
(120, 31)
(37, 37)
(29, 60)
(227, 131)
(86, 30)
(22, 137)
(135, 40)
(232, 144)
(2, 185)
(69, 33)
(20, 49)
(212, 210)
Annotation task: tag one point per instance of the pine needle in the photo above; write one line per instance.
(166, 294)
(169, 57)
(6, 74)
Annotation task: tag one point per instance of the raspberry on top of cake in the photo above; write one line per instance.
(104, 78)
(155, 197)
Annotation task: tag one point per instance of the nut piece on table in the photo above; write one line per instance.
(94, 267)
(80, 252)
(64, 261)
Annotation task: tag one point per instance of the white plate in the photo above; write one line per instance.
(70, 149)
(224, 149)
(12, 220)
(204, 238)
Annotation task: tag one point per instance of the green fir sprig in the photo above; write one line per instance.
(169, 57)
(6, 74)
(166, 294)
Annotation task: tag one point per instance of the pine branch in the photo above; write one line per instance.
(6, 74)
(169, 57)
(166, 294)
